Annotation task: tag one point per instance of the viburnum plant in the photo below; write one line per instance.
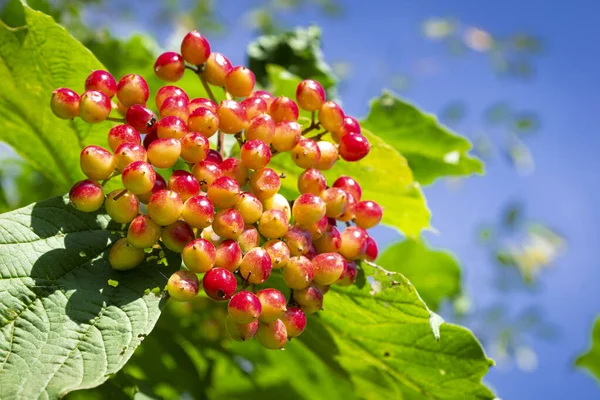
(226, 216)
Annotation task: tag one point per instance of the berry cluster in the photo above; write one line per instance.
(225, 216)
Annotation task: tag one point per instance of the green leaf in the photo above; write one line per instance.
(384, 174)
(432, 150)
(63, 325)
(435, 273)
(381, 335)
(35, 59)
(591, 359)
(297, 51)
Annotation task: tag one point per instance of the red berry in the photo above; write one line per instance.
(219, 284)
(195, 48)
(266, 96)
(140, 118)
(348, 215)
(232, 116)
(312, 181)
(367, 214)
(216, 69)
(204, 121)
(86, 195)
(169, 67)
(349, 126)
(65, 103)
(199, 255)
(354, 147)
(160, 184)
(132, 89)
(349, 185)
(198, 211)
(310, 95)
(244, 307)
(272, 335)
(164, 153)
(228, 255)
(127, 153)
(283, 109)
(143, 232)
(298, 240)
(354, 243)
(205, 173)
(255, 106)
(278, 251)
(177, 235)
(199, 102)
(233, 168)
(241, 332)
(176, 106)
(265, 183)
(96, 163)
(371, 251)
(248, 239)
(331, 116)
(330, 242)
(317, 230)
(150, 137)
(122, 209)
(168, 91)
(224, 192)
(94, 106)
(101, 81)
(309, 299)
(261, 127)
(171, 127)
(165, 207)
(255, 154)
(214, 156)
(336, 200)
(306, 154)
(295, 321)
(194, 147)
(329, 155)
(184, 184)
(138, 177)
(328, 268)
(256, 266)
(183, 285)
(120, 134)
(308, 209)
(239, 81)
(278, 202)
(298, 273)
(349, 275)
(287, 136)
(123, 257)
(273, 304)
(228, 224)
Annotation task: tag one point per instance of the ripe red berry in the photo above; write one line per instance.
(96, 162)
(138, 177)
(317, 230)
(272, 335)
(372, 251)
(214, 156)
(239, 81)
(354, 243)
(228, 255)
(255, 106)
(86, 195)
(168, 91)
(184, 184)
(349, 275)
(279, 252)
(241, 332)
(298, 273)
(132, 89)
(177, 235)
(160, 184)
(202, 102)
(273, 224)
(123, 257)
(348, 215)
(295, 321)
(256, 266)
(309, 299)
(204, 121)
(65, 103)
(233, 168)
(216, 69)
(140, 118)
(199, 255)
(143, 232)
(194, 147)
(150, 137)
(266, 96)
(349, 126)
(195, 48)
(367, 214)
(244, 307)
(198, 211)
(101, 81)
(232, 116)
(298, 240)
(255, 154)
(329, 155)
(169, 67)
(349, 185)
(312, 181)
(165, 207)
(224, 192)
(287, 136)
(164, 153)
(306, 153)
(175, 106)
(228, 223)
(310, 95)
(94, 106)
(250, 207)
(336, 200)
(122, 209)
(171, 127)
(205, 173)
(261, 127)
(354, 147)
(328, 268)
(312, 253)
(248, 239)
(308, 209)
(120, 134)
(329, 242)
(283, 109)
(273, 304)
(265, 183)
(219, 284)
(331, 116)
(183, 286)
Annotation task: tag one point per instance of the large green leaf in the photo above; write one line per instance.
(63, 325)
(384, 174)
(432, 150)
(591, 359)
(36, 57)
(381, 336)
(435, 273)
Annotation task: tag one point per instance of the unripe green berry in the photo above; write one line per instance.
(123, 257)
(122, 207)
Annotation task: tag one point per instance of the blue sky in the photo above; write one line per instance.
(384, 37)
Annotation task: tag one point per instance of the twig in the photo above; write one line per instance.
(118, 196)
(113, 119)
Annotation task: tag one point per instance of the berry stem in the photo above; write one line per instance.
(319, 136)
(311, 128)
(118, 196)
(119, 120)
(240, 140)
